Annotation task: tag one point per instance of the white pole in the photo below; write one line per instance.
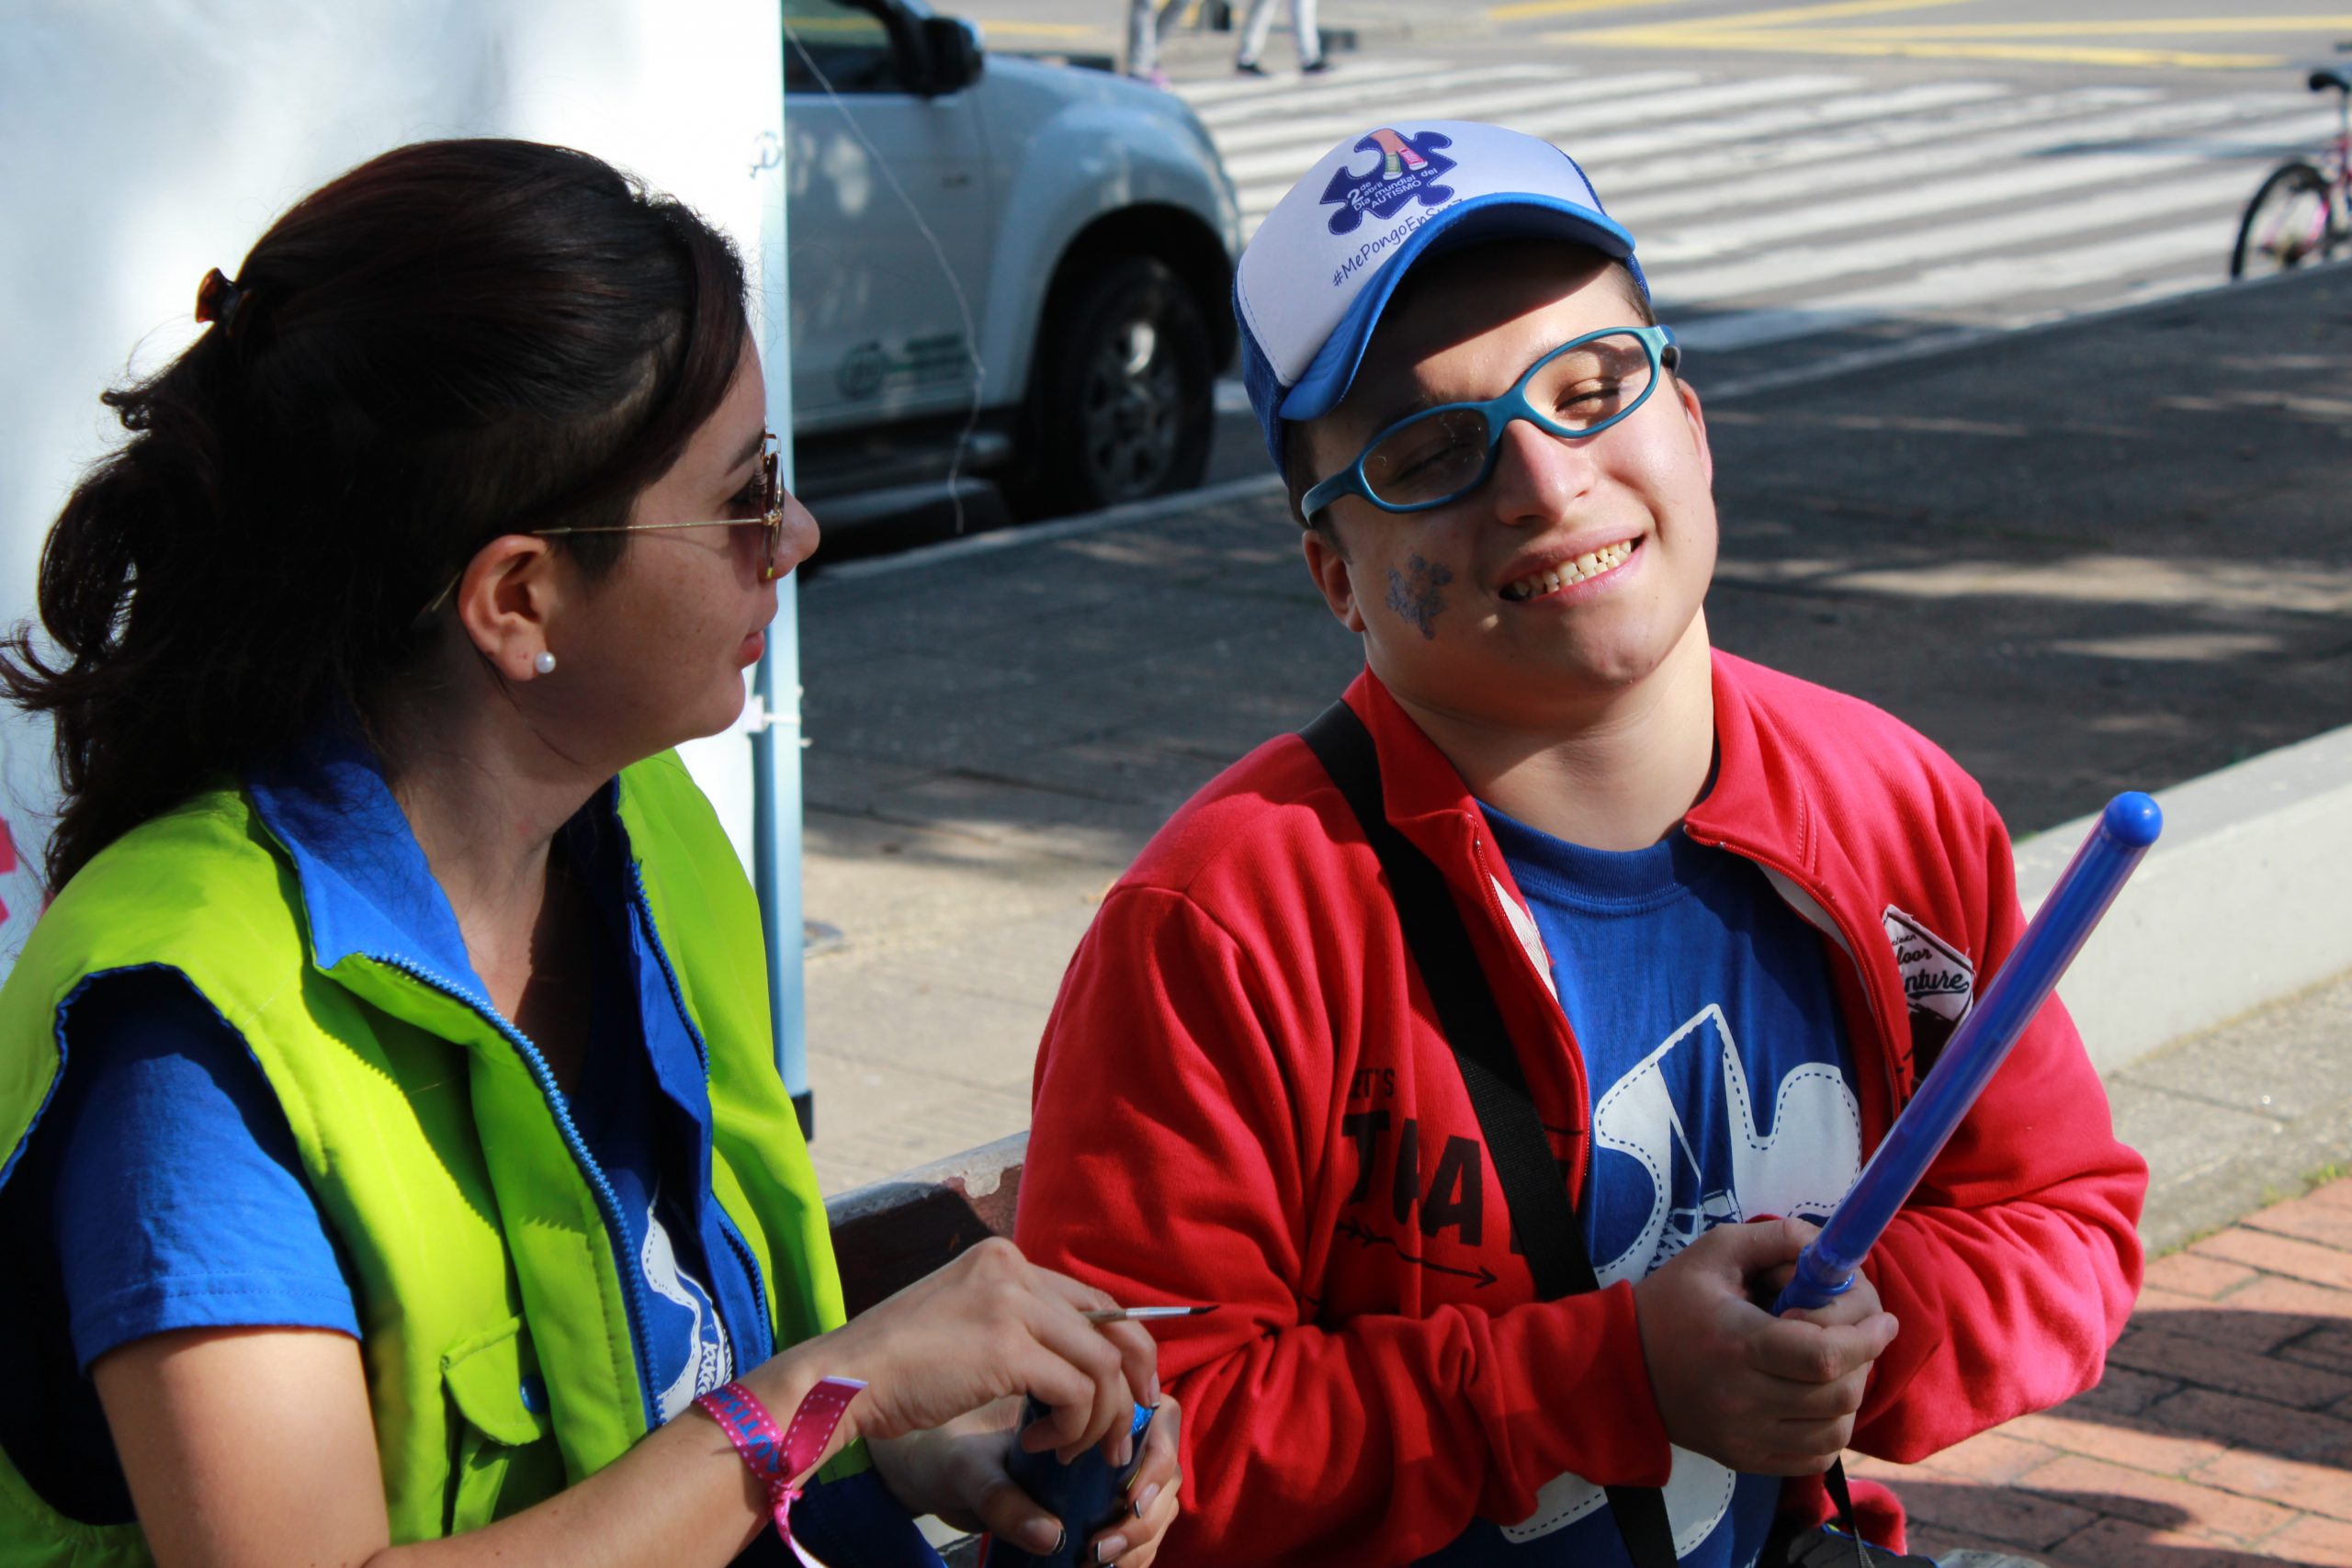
(775, 739)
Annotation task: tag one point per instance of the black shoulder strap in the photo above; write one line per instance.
(1533, 1188)
(1532, 1180)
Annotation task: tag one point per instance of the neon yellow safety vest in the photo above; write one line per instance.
(480, 1260)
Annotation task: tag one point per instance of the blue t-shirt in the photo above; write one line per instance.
(1723, 1091)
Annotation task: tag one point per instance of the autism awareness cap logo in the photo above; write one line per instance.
(1408, 170)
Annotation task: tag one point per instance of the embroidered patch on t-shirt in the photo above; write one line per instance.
(1939, 983)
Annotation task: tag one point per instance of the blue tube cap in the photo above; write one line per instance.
(2133, 819)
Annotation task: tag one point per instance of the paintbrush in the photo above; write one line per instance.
(1145, 1314)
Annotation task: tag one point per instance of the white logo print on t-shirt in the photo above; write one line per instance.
(1803, 1166)
(708, 1362)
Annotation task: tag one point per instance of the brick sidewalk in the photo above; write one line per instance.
(2221, 1436)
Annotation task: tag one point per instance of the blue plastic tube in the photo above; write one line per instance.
(1085, 1493)
(2057, 932)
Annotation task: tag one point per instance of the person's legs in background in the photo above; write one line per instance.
(1254, 28)
(1261, 22)
(1147, 23)
(1310, 40)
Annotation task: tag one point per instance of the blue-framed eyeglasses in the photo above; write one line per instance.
(1442, 454)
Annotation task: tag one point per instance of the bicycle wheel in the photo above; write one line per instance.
(2286, 225)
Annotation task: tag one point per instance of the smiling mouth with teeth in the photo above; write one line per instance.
(1568, 573)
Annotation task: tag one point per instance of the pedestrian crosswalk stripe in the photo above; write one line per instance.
(1707, 187)
(2045, 272)
(1261, 107)
(1466, 99)
(1205, 95)
(2004, 187)
(1773, 136)
(1845, 153)
(2006, 279)
(1632, 93)
(1802, 266)
(1763, 127)
(1658, 98)
(1777, 205)
(1777, 119)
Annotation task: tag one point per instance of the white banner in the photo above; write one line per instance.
(146, 142)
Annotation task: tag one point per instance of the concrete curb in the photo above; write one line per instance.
(2245, 901)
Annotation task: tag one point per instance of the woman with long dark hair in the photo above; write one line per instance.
(386, 1104)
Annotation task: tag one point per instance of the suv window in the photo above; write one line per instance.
(829, 43)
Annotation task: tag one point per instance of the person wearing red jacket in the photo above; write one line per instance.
(1726, 916)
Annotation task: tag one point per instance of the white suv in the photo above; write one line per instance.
(1024, 271)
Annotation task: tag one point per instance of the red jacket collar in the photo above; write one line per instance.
(1765, 806)
(1759, 805)
(1426, 798)
(1419, 785)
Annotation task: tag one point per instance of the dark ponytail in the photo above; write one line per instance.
(453, 341)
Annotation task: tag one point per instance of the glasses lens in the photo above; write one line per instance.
(1428, 459)
(751, 504)
(1593, 382)
(770, 507)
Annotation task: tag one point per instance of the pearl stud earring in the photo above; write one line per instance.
(544, 662)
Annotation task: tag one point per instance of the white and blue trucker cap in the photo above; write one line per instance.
(1321, 268)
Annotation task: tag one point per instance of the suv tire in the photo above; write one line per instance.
(1123, 404)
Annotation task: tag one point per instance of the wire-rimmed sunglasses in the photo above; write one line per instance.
(762, 501)
(1441, 455)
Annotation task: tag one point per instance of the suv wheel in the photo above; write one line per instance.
(1124, 406)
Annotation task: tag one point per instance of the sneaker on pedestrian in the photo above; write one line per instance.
(1316, 66)
(1250, 68)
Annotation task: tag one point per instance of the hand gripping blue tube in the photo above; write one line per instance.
(1085, 1494)
(2125, 830)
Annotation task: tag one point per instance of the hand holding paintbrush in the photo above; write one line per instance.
(1145, 1314)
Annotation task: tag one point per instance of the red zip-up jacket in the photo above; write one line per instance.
(1243, 1096)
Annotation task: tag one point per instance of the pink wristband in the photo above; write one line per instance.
(781, 1459)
